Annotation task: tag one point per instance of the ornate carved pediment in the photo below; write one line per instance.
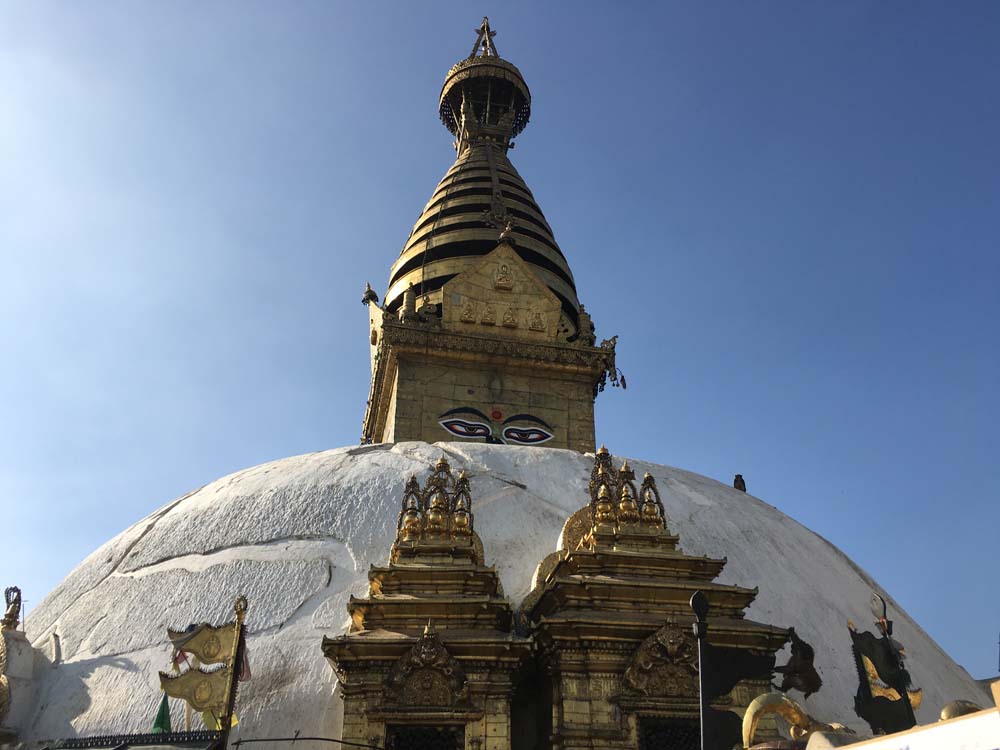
(427, 676)
(665, 664)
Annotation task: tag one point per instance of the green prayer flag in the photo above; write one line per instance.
(162, 723)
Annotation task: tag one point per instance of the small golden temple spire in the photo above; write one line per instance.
(621, 513)
(439, 512)
(652, 506)
(628, 511)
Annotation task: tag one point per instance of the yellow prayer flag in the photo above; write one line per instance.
(204, 691)
(214, 723)
(209, 643)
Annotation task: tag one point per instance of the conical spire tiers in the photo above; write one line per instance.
(482, 199)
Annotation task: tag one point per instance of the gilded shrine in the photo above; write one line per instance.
(431, 654)
(612, 624)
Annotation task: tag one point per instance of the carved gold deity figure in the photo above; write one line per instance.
(504, 279)
(469, 312)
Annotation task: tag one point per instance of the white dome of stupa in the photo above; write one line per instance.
(297, 536)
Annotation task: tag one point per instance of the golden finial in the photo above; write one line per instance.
(429, 628)
(652, 506)
(604, 509)
(603, 450)
(461, 517)
(625, 473)
(628, 511)
(442, 463)
(484, 41)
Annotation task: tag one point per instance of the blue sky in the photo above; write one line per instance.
(787, 210)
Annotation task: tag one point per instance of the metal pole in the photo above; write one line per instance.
(236, 662)
(699, 604)
(885, 625)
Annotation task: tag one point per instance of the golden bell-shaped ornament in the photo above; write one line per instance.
(628, 511)
(411, 525)
(604, 512)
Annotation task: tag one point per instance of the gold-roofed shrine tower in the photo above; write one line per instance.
(481, 335)
(431, 654)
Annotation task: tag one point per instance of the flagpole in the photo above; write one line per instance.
(885, 625)
(235, 662)
(194, 663)
(699, 604)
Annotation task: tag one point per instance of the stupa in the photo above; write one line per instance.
(448, 603)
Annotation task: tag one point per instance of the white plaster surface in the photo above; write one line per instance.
(297, 537)
(19, 672)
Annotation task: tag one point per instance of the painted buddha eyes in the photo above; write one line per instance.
(520, 429)
(526, 435)
(465, 429)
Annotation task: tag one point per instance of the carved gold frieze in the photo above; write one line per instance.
(506, 293)
(665, 664)
(427, 676)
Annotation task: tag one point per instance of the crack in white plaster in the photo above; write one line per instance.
(301, 547)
